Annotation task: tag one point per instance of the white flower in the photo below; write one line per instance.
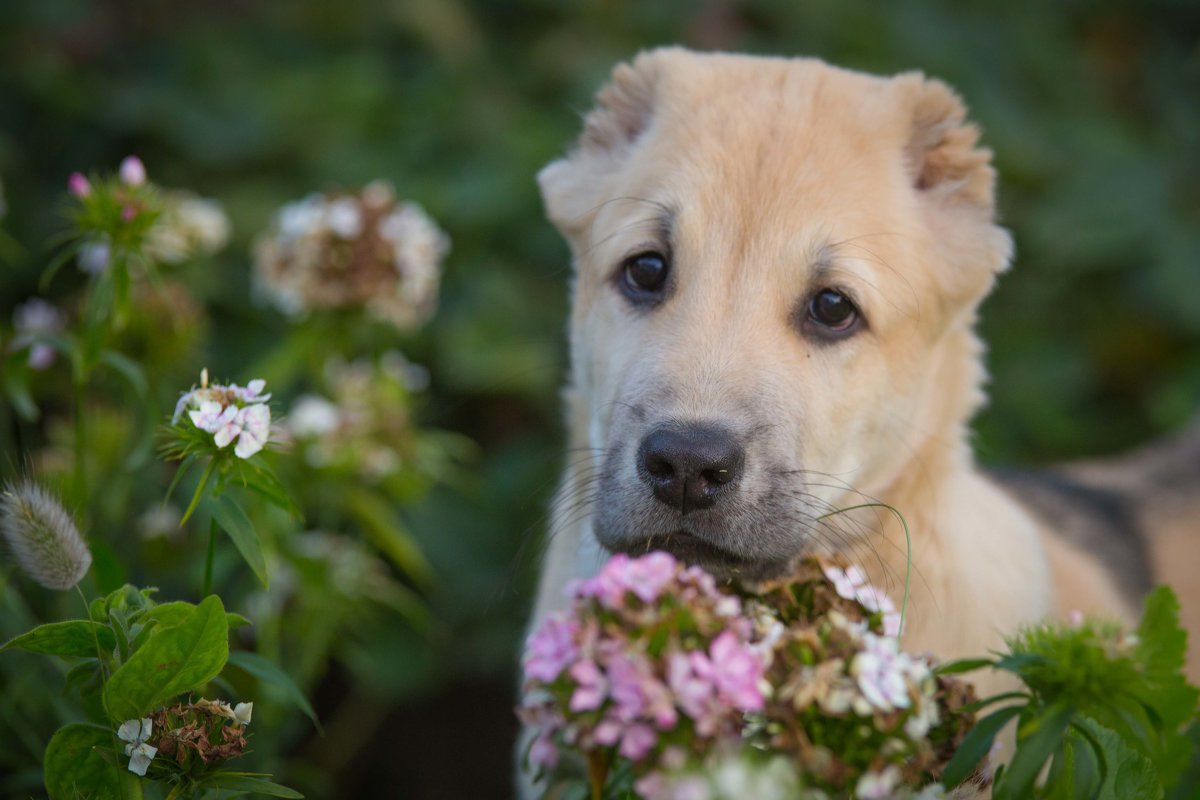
(313, 415)
(877, 785)
(256, 429)
(242, 712)
(94, 257)
(880, 671)
(136, 732)
(211, 416)
(36, 317)
(344, 218)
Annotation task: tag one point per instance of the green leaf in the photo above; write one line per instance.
(1037, 739)
(1162, 650)
(174, 660)
(976, 744)
(76, 637)
(962, 665)
(73, 768)
(381, 527)
(1128, 772)
(269, 673)
(233, 520)
(16, 386)
(240, 782)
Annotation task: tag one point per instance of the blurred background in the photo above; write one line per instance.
(1092, 108)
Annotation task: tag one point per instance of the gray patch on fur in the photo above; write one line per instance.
(1100, 521)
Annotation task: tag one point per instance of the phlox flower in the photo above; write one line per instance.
(877, 785)
(230, 413)
(551, 648)
(132, 171)
(880, 671)
(136, 732)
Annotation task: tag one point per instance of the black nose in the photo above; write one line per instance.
(690, 467)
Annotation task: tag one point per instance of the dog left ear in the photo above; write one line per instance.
(944, 158)
(954, 177)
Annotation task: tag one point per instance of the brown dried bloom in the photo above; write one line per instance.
(203, 731)
(362, 250)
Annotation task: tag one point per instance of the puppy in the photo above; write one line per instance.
(778, 265)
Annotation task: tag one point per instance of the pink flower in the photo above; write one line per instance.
(543, 753)
(128, 213)
(736, 671)
(591, 688)
(851, 584)
(638, 740)
(551, 648)
(133, 171)
(646, 576)
(78, 185)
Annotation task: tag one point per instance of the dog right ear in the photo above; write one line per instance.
(624, 110)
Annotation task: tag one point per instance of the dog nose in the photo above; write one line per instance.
(689, 468)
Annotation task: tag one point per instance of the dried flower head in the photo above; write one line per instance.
(360, 250)
(42, 536)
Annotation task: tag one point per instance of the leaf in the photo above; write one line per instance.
(16, 386)
(1128, 772)
(1037, 739)
(233, 520)
(76, 637)
(254, 784)
(174, 660)
(73, 768)
(1162, 650)
(976, 744)
(381, 527)
(269, 673)
(962, 665)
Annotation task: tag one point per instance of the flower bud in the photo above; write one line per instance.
(133, 171)
(78, 185)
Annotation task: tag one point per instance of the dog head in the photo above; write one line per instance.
(777, 269)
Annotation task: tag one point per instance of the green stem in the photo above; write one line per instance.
(208, 561)
(80, 388)
(112, 734)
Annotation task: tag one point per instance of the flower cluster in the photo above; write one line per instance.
(364, 427)
(797, 683)
(188, 226)
(230, 413)
(652, 662)
(360, 250)
(131, 219)
(33, 320)
(201, 733)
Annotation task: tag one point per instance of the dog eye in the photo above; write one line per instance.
(832, 311)
(643, 275)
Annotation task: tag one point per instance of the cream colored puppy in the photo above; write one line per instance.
(778, 265)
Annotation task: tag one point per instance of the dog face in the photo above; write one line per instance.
(777, 266)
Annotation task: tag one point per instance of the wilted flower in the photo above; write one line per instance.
(136, 732)
(42, 536)
(32, 319)
(347, 251)
(229, 413)
(202, 733)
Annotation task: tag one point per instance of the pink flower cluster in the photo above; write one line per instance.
(851, 583)
(650, 654)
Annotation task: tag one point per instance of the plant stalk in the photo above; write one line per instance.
(208, 561)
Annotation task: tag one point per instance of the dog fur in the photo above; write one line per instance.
(765, 180)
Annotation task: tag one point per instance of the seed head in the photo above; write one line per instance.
(42, 537)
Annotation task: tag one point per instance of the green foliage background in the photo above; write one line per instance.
(1092, 109)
